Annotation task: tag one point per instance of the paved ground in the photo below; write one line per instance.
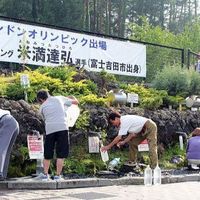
(173, 191)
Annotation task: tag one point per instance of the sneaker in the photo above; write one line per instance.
(130, 163)
(42, 177)
(58, 178)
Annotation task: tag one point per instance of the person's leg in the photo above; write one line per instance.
(59, 166)
(46, 164)
(62, 149)
(49, 146)
(133, 147)
(9, 129)
(152, 141)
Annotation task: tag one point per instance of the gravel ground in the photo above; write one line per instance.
(115, 174)
(182, 171)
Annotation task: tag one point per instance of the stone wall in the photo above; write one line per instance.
(168, 121)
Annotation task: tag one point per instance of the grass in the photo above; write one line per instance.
(83, 163)
(165, 159)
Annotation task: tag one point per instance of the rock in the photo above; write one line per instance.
(176, 159)
(168, 121)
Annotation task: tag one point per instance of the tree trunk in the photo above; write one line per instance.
(34, 10)
(162, 13)
(123, 18)
(94, 15)
(107, 18)
(101, 28)
(195, 8)
(119, 19)
(86, 16)
(189, 10)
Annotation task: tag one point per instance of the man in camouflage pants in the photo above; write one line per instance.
(137, 129)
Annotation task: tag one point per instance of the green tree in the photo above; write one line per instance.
(157, 57)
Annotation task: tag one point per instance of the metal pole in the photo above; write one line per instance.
(25, 95)
(188, 59)
(39, 162)
(39, 166)
(182, 58)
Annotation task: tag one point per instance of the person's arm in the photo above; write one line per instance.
(73, 99)
(115, 111)
(109, 146)
(68, 101)
(187, 147)
(127, 139)
(41, 113)
(196, 132)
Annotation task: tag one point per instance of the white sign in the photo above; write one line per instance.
(35, 147)
(24, 79)
(37, 45)
(194, 109)
(198, 66)
(93, 143)
(143, 146)
(132, 98)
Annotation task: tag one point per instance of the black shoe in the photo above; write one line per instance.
(131, 163)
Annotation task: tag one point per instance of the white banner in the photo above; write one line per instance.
(36, 45)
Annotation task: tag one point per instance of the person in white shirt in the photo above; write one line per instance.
(56, 126)
(9, 129)
(137, 129)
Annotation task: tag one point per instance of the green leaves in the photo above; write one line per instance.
(178, 81)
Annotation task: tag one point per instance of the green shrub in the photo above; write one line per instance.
(91, 86)
(165, 160)
(93, 99)
(37, 81)
(83, 120)
(4, 84)
(78, 88)
(151, 102)
(173, 79)
(20, 164)
(194, 83)
(64, 73)
(172, 100)
(148, 97)
(15, 91)
(11, 86)
(107, 77)
(83, 163)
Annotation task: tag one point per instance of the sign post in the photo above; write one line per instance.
(25, 83)
(93, 142)
(132, 98)
(143, 146)
(36, 149)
